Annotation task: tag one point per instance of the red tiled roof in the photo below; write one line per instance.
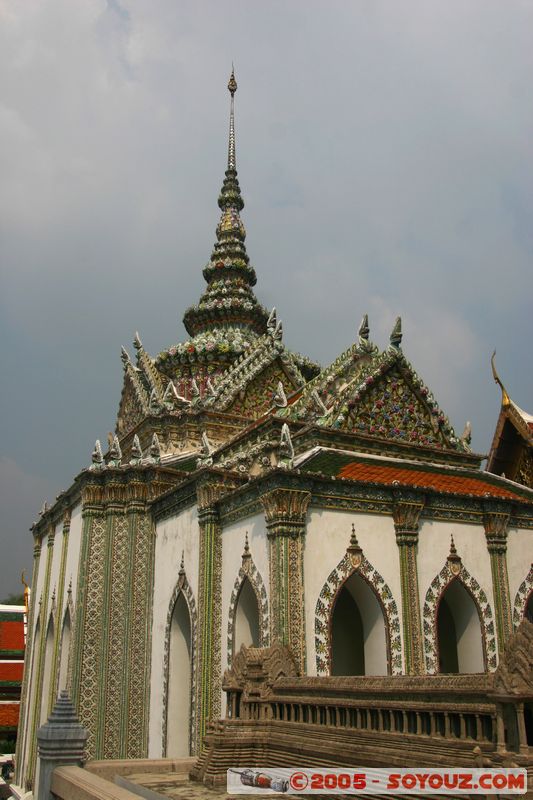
(11, 670)
(11, 635)
(9, 715)
(457, 484)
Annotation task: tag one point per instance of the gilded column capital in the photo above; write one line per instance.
(211, 489)
(285, 510)
(496, 523)
(406, 511)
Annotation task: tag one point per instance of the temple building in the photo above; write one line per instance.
(250, 497)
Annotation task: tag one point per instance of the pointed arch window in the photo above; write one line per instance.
(247, 618)
(179, 680)
(358, 631)
(460, 638)
(47, 672)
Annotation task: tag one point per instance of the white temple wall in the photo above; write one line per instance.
(173, 535)
(519, 558)
(328, 536)
(434, 547)
(233, 538)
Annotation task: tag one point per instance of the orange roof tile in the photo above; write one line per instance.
(9, 715)
(456, 484)
(11, 635)
(11, 670)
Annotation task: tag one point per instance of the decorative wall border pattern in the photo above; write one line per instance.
(326, 601)
(182, 587)
(524, 590)
(248, 571)
(457, 571)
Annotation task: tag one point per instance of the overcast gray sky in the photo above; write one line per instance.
(385, 156)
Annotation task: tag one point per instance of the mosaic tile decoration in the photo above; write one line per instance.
(522, 596)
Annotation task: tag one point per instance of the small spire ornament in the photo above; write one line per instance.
(97, 456)
(137, 341)
(246, 555)
(155, 450)
(115, 453)
(271, 321)
(354, 550)
(286, 448)
(396, 334)
(154, 406)
(466, 436)
(136, 451)
(280, 398)
(454, 560)
(364, 330)
(318, 402)
(169, 394)
(195, 390)
(207, 448)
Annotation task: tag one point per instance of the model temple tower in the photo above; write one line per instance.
(250, 497)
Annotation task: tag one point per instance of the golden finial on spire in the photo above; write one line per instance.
(505, 397)
(232, 85)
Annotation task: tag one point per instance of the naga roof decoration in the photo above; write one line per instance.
(376, 394)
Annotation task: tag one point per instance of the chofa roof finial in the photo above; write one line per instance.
(506, 400)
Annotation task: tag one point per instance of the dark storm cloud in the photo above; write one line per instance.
(385, 156)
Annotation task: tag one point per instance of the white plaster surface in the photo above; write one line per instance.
(434, 547)
(173, 535)
(328, 536)
(519, 558)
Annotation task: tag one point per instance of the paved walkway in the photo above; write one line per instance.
(177, 786)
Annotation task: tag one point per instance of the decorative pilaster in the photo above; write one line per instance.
(114, 610)
(209, 658)
(30, 654)
(39, 654)
(496, 522)
(285, 514)
(406, 514)
(54, 673)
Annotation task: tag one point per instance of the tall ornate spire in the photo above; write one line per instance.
(232, 86)
(228, 301)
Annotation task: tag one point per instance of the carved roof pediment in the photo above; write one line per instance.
(378, 394)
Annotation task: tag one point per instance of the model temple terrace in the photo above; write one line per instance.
(276, 564)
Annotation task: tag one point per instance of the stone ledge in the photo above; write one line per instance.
(75, 783)
(130, 766)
